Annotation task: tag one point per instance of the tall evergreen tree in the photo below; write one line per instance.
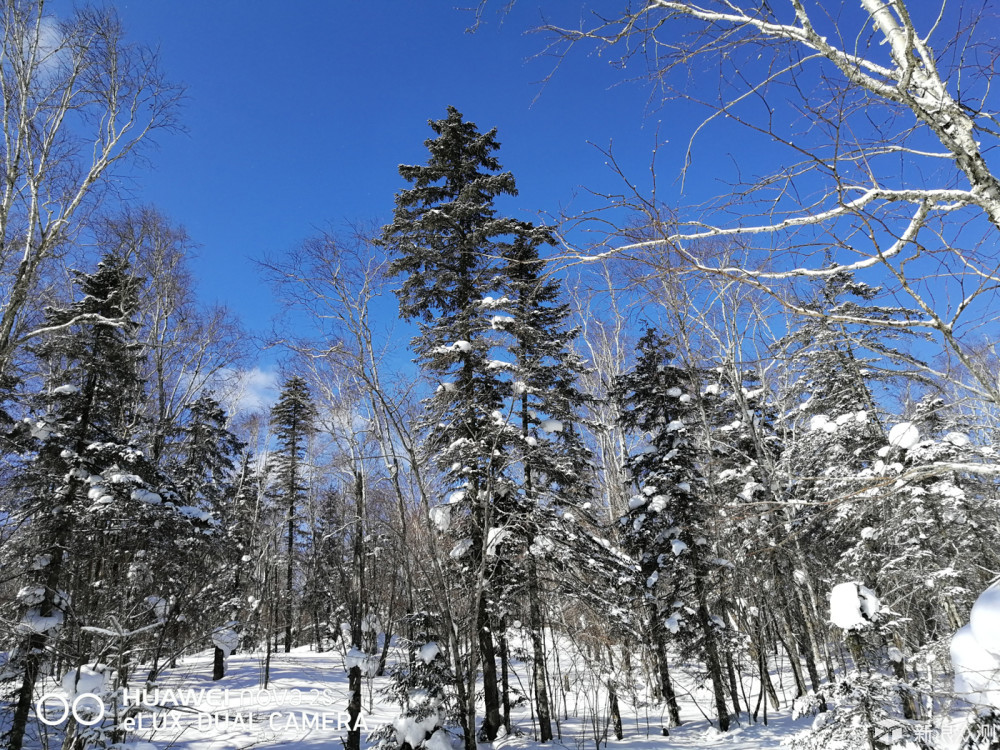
(293, 420)
(667, 528)
(100, 512)
(85, 403)
(551, 463)
(203, 474)
(447, 239)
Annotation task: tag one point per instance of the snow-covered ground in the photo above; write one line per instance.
(305, 706)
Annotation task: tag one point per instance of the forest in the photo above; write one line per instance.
(712, 465)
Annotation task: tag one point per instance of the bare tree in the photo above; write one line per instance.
(877, 144)
(77, 101)
(189, 347)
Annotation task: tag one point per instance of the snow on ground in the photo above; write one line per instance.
(305, 707)
(306, 704)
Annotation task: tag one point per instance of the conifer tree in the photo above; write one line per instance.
(554, 465)
(667, 527)
(203, 476)
(446, 238)
(293, 419)
(100, 512)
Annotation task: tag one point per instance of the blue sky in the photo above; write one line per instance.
(298, 115)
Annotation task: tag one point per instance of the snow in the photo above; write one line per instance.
(551, 425)
(428, 652)
(541, 545)
(985, 619)
(675, 425)
(977, 671)
(494, 537)
(145, 496)
(413, 731)
(226, 639)
(196, 513)
(85, 680)
(439, 741)
(822, 423)
(904, 436)
(958, 439)
(33, 622)
(306, 683)
(440, 515)
(459, 346)
(853, 606)
(677, 547)
(491, 302)
(658, 503)
(711, 390)
(31, 595)
(367, 663)
(159, 605)
(65, 390)
(460, 548)
(637, 501)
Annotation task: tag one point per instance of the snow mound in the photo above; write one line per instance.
(85, 680)
(985, 619)
(439, 741)
(977, 671)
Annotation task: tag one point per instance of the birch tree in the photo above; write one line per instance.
(874, 124)
(78, 101)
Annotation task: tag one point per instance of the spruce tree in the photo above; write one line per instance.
(447, 238)
(100, 512)
(667, 527)
(203, 474)
(548, 453)
(293, 420)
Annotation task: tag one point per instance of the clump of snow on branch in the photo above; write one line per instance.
(904, 436)
(853, 606)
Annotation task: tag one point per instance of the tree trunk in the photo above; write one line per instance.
(663, 673)
(492, 720)
(218, 664)
(504, 676)
(712, 660)
(536, 625)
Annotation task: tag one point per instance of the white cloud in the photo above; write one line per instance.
(248, 390)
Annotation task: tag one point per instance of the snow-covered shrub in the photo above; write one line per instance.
(867, 715)
(417, 684)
